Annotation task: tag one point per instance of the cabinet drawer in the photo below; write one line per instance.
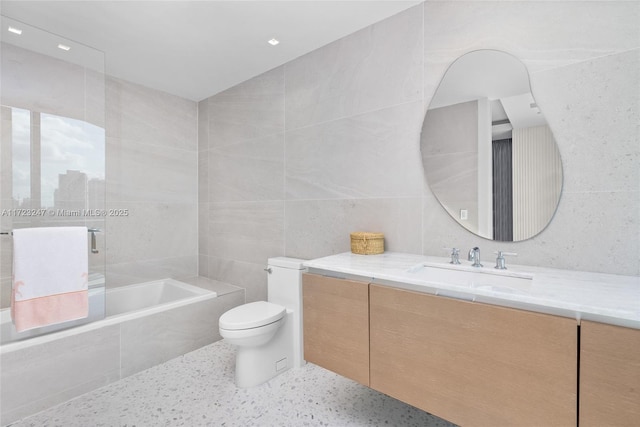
(609, 375)
(336, 325)
(473, 364)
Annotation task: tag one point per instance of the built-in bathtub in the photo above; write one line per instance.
(145, 324)
(123, 303)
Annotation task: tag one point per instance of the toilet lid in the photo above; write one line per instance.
(252, 315)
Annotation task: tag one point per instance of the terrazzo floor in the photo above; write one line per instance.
(198, 389)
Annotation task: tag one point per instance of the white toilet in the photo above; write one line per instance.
(268, 334)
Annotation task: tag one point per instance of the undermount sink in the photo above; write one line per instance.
(483, 278)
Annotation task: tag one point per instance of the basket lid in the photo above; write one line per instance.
(366, 235)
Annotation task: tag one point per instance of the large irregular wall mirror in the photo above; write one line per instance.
(488, 153)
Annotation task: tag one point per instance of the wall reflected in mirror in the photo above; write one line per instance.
(489, 155)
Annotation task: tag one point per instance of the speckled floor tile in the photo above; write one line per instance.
(198, 389)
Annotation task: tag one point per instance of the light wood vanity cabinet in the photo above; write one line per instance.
(470, 363)
(473, 364)
(609, 375)
(336, 325)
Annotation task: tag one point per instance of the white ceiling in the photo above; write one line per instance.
(195, 49)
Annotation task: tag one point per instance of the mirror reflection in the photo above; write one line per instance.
(488, 153)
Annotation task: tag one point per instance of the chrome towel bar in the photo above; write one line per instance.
(93, 232)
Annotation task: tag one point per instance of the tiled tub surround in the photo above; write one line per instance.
(599, 297)
(151, 170)
(41, 372)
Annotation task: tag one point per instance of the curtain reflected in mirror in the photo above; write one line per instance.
(502, 190)
(489, 155)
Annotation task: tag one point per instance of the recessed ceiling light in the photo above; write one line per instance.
(273, 42)
(63, 46)
(15, 30)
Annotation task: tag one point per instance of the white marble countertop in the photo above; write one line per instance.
(599, 297)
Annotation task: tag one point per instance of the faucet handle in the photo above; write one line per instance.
(500, 263)
(455, 255)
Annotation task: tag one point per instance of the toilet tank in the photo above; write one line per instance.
(284, 282)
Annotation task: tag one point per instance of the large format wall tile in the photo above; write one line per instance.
(203, 228)
(203, 265)
(42, 376)
(137, 113)
(583, 235)
(42, 83)
(317, 228)
(6, 202)
(155, 339)
(143, 172)
(542, 34)
(95, 98)
(246, 231)
(354, 110)
(5, 292)
(152, 170)
(153, 230)
(203, 176)
(251, 170)
(6, 158)
(203, 125)
(250, 110)
(249, 276)
(144, 270)
(373, 68)
(597, 130)
(370, 155)
(604, 240)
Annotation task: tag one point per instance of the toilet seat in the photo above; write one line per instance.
(252, 315)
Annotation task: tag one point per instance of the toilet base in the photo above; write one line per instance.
(256, 365)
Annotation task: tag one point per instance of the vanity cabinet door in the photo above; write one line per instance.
(473, 364)
(336, 325)
(609, 375)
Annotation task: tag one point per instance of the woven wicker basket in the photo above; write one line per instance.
(364, 243)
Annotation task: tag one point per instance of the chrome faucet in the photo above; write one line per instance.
(474, 255)
(455, 256)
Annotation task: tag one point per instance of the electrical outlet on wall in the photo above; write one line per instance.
(464, 214)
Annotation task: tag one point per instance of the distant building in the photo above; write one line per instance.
(72, 191)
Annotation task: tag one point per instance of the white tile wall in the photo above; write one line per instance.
(374, 68)
(353, 115)
(152, 164)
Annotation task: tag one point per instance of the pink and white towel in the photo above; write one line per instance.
(50, 276)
